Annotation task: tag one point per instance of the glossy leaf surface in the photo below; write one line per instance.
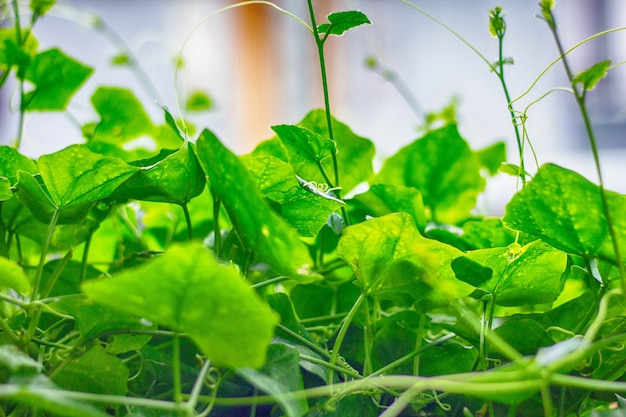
(565, 210)
(56, 78)
(188, 290)
(392, 261)
(443, 168)
(340, 22)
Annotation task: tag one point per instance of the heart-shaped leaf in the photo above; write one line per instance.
(391, 260)
(188, 290)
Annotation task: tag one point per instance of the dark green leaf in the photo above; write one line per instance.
(305, 211)
(56, 78)
(522, 275)
(188, 290)
(443, 168)
(260, 228)
(96, 371)
(524, 333)
(565, 210)
(591, 76)
(199, 101)
(391, 260)
(343, 21)
(122, 116)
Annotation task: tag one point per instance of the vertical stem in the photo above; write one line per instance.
(418, 344)
(178, 392)
(319, 42)
(580, 101)
(342, 334)
(44, 253)
(217, 232)
(85, 260)
(188, 222)
(500, 73)
(22, 105)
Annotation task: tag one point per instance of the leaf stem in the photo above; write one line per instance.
(188, 221)
(334, 356)
(178, 391)
(319, 43)
(579, 95)
(20, 77)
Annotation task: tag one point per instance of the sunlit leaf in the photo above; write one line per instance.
(71, 181)
(41, 7)
(592, 75)
(521, 275)
(199, 101)
(169, 177)
(305, 211)
(492, 157)
(261, 229)
(5, 189)
(12, 276)
(188, 290)
(11, 161)
(443, 168)
(383, 199)
(122, 116)
(565, 210)
(340, 22)
(392, 261)
(56, 78)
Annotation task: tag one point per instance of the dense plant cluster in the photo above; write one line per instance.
(191, 281)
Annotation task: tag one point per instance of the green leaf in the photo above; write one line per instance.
(120, 60)
(591, 76)
(56, 78)
(96, 371)
(199, 101)
(280, 377)
(355, 154)
(306, 149)
(487, 233)
(343, 21)
(122, 116)
(41, 7)
(169, 177)
(392, 261)
(383, 199)
(304, 211)
(443, 168)
(188, 290)
(72, 180)
(565, 210)
(12, 276)
(513, 170)
(492, 157)
(12, 52)
(261, 230)
(522, 275)
(11, 161)
(5, 189)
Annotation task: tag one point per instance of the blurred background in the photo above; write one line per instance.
(260, 68)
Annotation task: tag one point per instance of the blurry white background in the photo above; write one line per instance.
(261, 69)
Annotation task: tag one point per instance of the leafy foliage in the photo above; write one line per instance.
(296, 280)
